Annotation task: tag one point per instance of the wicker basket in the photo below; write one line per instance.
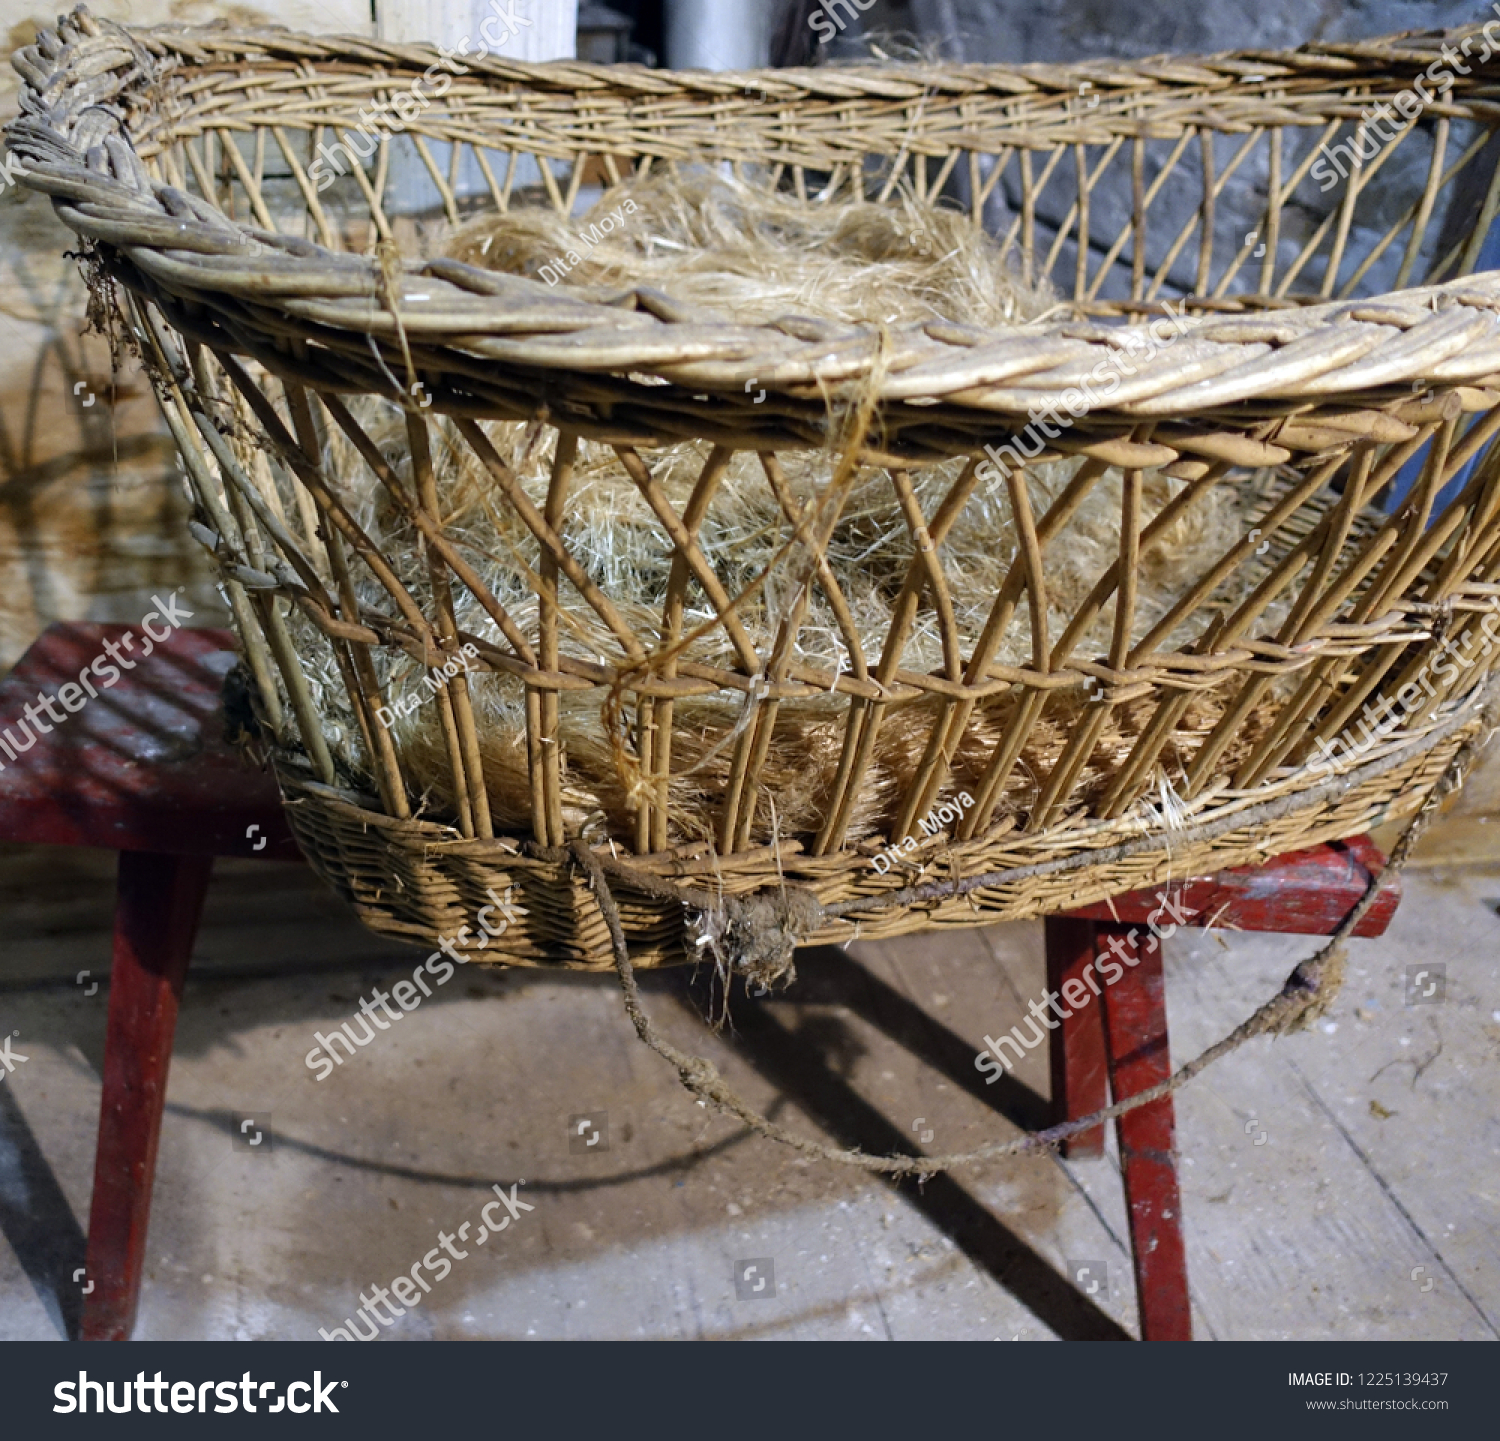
(182, 159)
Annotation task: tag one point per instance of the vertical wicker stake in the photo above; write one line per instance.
(1206, 237)
(1346, 212)
(749, 659)
(1028, 217)
(460, 737)
(932, 773)
(254, 615)
(1401, 536)
(1137, 219)
(927, 539)
(551, 737)
(366, 693)
(813, 531)
(1081, 744)
(1026, 572)
(704, 489)
(248, 614)
(865, 717)
(1424, 207)
(1272, 237)
(1324, 547)
(1030, 571)
(271, 624)
(1476, 507)
(1481, 230)
(1081, 260)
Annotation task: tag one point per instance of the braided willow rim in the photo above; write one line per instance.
(183, 158)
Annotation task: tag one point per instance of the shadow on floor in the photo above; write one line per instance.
(38, 1221)
(784, 1058)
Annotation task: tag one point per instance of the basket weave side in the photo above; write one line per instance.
(417, 881)
(257, 327)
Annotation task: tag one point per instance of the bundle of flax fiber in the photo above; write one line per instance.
(753, 254)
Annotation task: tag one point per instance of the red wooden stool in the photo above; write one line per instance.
(139, 767)
(1120, 1045)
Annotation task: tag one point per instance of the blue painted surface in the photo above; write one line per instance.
(1406, 477)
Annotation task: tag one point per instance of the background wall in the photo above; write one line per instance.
(1056, 30)
(91, 519)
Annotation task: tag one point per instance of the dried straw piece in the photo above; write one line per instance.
(757, 254)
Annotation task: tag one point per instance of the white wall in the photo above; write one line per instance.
(549, 31)
(541, 30)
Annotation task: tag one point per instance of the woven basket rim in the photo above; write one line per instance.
(76, 145)
(1350, 60)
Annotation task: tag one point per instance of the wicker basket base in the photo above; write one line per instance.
(419, 881)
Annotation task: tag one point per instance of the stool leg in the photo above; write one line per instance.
(1135, 1023)
(157, 906)
(1080, 1074)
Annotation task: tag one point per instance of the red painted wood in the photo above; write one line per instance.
(1080, 1074)
(156, 917)
(1303, 893)
(1135, 1025)
(138, 765)
(143, 764)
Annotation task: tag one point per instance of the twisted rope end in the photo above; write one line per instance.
(757, 936)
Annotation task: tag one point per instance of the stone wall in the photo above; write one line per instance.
(1062, 30)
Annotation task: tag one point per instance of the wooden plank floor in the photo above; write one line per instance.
(1375, 1174)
